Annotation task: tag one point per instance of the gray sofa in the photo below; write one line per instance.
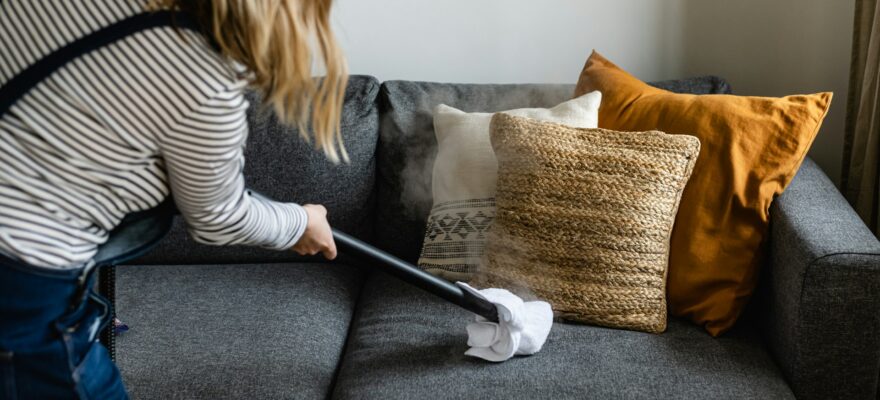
(249, 323)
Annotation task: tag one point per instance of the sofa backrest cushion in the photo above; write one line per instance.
(407, 145)
(281, 165)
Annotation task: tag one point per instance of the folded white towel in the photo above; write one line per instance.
(522, 327)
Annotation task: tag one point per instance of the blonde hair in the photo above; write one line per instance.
(277, 40)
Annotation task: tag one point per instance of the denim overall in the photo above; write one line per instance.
(50, 319)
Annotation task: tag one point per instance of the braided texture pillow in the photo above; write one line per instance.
(584, 218)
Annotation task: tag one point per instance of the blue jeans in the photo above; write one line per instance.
(49, 324)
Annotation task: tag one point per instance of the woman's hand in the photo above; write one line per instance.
(317, 238)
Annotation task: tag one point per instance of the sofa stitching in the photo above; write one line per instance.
(348, 337)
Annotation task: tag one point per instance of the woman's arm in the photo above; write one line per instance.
(204, 158)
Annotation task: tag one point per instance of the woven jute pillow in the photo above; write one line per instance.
(584, 218)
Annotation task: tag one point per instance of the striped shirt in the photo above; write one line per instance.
(116, 131)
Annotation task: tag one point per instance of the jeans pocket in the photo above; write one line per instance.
(96, 377)
(7, 376)
(93, 372)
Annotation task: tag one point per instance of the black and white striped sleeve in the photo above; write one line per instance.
(204, 158)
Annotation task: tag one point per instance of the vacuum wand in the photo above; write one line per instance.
(413, 275)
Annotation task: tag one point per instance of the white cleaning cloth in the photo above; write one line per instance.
(522, 327)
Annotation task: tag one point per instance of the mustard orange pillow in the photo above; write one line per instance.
(751, 149)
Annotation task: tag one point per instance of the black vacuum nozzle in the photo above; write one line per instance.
(413, 275)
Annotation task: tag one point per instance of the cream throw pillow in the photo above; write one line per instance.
(464, 177)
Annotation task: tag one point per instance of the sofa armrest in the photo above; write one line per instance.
(821, 318)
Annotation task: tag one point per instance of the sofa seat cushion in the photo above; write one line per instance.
(233, 331)
(408, 344)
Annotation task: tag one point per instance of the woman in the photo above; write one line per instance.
(121, 127)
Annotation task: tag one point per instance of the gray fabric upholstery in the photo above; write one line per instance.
(822, 313)
(282, 166)
(233, 331)
(698, 85)
(407, 146)
(277, 330)
(406, 344)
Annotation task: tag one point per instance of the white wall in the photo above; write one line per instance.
(762, 47)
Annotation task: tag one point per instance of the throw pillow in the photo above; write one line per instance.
(752, 148)
(464, 178)
(584, 218)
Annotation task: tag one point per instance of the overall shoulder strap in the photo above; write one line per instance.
(25, 80)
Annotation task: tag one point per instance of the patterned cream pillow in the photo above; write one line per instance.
(584, 218)
(464, 182)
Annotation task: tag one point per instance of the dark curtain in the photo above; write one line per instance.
(861, 158)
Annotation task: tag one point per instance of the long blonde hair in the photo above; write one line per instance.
(277, 41)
